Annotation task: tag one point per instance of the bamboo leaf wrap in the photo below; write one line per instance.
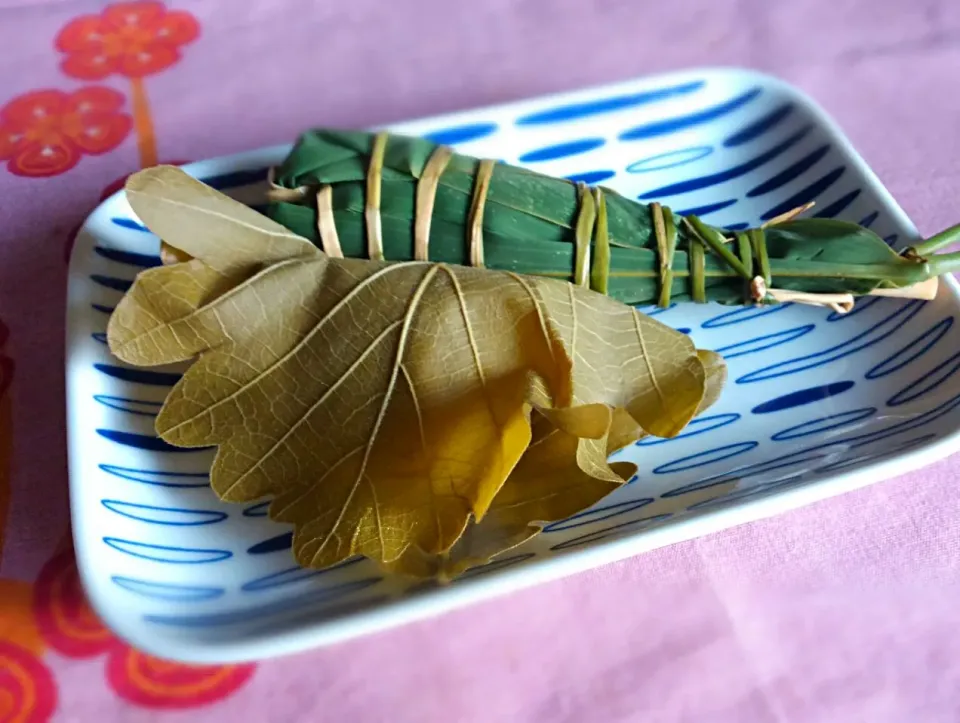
(529, 226)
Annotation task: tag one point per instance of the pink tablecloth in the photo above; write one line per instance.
(845, 611)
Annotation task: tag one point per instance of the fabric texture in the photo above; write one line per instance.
(842, 611)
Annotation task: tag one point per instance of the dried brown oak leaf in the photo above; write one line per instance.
(382, 406)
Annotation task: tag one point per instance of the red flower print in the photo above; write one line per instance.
(64, 616)
(134, 39)
(69, 626)
(155, 683)
(45, 132)
(27, 691)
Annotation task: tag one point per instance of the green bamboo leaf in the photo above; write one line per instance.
(529, 226)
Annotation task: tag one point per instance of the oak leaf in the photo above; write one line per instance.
(547, 485)
(384, 406)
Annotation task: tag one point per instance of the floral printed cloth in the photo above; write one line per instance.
(845, 611)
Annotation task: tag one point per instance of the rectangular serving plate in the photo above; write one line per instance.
(816, 404)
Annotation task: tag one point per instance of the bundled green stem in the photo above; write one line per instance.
(400, 198)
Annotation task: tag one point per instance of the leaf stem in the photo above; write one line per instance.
(938, 241)
(943, 264)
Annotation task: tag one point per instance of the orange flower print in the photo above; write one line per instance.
(63, 615)
(151, 682)
(27, 691)
(69, 626)
(45, 132)
(17, 624)
(134, 39)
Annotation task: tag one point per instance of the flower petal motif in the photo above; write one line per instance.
(17, 624)
(178, 28)
(134, 39)
(96, 99)
(63, 614)
(89, 65)
(44, 159)
(46, 132)
(102, 133)
(152, 59)
(142, 679)
(79, 34)
(8, 143)
(24, 111)
(28, 693)
(143, 13)
(64, 619)
(94, 121)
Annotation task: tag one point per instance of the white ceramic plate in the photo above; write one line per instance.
(816, 404)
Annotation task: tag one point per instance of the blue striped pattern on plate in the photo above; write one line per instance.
(811, 395)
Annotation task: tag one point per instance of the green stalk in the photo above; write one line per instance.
(531, 224)
(944, 264)
(939, 241)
